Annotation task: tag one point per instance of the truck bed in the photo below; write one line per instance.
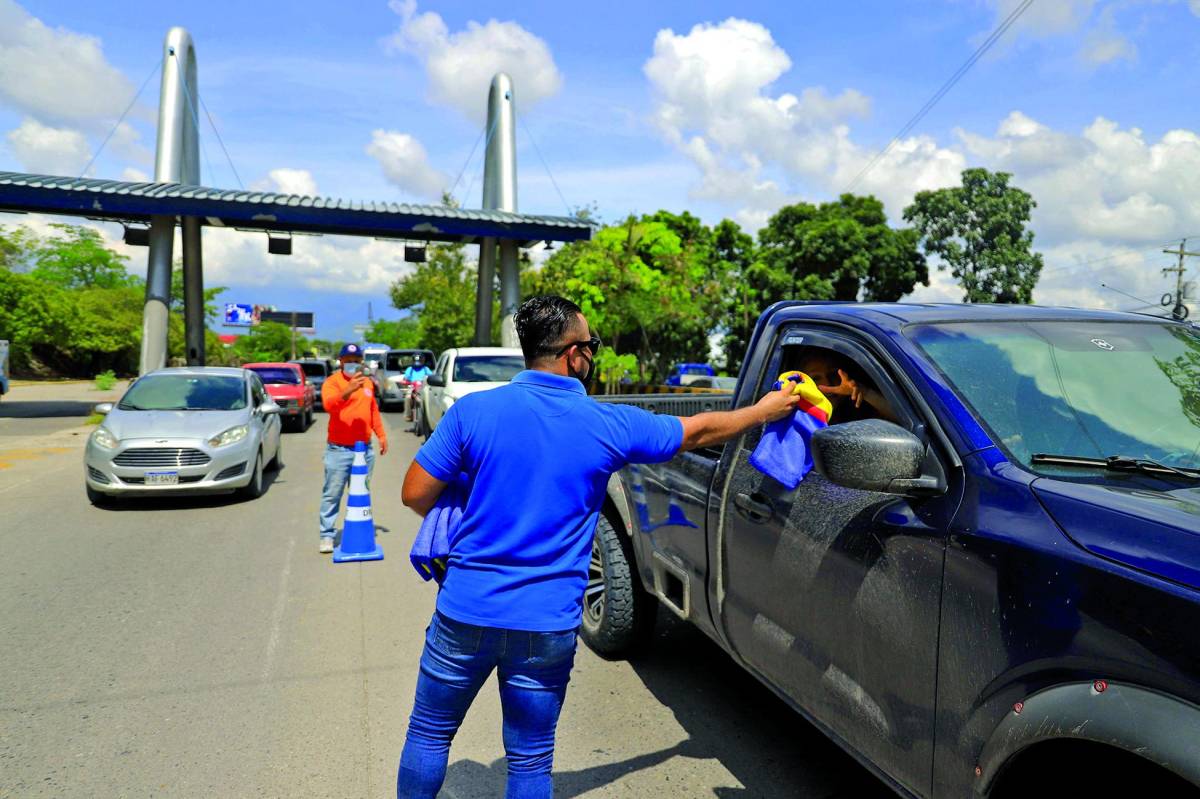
(674, 404)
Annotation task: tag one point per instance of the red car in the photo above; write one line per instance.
(290, 389)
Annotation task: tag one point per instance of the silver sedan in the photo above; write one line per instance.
(195, 429)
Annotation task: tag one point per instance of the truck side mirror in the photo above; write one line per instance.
(872, 455)
(436, 380)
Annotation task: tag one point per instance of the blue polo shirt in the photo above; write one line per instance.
(538, 453)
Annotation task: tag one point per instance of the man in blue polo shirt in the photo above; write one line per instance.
(536, 455)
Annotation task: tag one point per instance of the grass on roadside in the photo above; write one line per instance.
(95, 418)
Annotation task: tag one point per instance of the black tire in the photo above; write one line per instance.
(308, 418)
(618, 614)
(257, 485)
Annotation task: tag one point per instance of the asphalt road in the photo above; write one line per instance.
(202, 647)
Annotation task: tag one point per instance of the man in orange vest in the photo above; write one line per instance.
(349, 398)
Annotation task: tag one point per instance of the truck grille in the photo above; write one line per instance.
(144, 457)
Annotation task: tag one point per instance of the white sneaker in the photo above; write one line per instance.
(326, 546)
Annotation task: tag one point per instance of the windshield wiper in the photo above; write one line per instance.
(1117, 463)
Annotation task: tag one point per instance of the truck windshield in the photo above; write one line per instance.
(277, 375)
(1091, 389)
(313, 369)
(487, 368)
(185, 393)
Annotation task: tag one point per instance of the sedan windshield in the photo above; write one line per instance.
(487, 368)
(1087, 389)
(185, 393)
(277, 375)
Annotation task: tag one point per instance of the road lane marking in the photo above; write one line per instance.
(277, 616)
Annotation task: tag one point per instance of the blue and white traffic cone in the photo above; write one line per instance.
(358, 530)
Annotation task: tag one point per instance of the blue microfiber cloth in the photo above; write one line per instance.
(431, 548)
(785, 450)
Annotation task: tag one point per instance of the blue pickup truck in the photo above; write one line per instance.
(990, 583)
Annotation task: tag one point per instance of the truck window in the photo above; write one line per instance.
(821, 356)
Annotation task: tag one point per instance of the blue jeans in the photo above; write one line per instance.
(338, 460)
(534, 669)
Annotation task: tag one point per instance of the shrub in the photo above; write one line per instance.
(106, 380)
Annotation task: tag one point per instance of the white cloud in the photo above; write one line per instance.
(406, 164)
(54, 73)
(1104, 44)
(1046, 18)
(134, 175)
(713, 87)
(46, 150)
(288, 181)
(1194, 5)
(460, 65)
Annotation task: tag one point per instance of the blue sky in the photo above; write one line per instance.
(728, 110)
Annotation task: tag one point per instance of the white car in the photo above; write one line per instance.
(464, 371)
(193, 429)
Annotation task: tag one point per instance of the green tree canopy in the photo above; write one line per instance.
(979, 231)
(400, 334)
(441, 291)
(267, 341)
(839, 251)
(76, 258)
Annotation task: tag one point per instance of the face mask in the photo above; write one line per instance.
(585, 378)
(351, 369)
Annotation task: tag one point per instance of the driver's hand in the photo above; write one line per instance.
(778, 404)
(847, 388)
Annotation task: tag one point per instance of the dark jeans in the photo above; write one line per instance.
(534, 669)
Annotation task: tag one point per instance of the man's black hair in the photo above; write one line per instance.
(542, 323)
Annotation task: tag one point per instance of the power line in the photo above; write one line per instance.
(120, 119)
(220, 141)
(1080, 264)
(945, 88)
(468, 161)
(550, 174)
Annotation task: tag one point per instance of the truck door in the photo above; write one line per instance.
(832, 593)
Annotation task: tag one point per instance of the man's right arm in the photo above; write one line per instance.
(717, 427)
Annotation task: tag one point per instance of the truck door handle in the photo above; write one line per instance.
(755, 507)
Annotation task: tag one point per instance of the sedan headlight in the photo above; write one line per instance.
(103, 438)
(230, 436)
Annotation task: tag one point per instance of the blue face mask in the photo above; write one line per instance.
(351, 369)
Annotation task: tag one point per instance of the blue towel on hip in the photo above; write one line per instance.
(431, 549)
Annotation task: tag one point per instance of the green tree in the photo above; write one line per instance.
(979, 231)
(441, 292)
(267, 341)
(840, 251)
(211, 312)
(400, 334)
(76, 257)
(631, 280)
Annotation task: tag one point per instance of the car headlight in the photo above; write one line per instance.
(101, 437)
(230, 436)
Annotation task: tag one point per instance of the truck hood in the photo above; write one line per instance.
(1154, 531)
(126, 425)
(281, 391)
(459, 390)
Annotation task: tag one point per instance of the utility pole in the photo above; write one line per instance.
(1180, 310)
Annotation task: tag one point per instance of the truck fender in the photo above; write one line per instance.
(618, 501)
(1161, 728)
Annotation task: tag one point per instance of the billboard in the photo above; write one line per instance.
(303, 319)
(239, 315)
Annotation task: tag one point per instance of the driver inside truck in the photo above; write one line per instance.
(852, 394)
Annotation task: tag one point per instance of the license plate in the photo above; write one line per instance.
(162, 478)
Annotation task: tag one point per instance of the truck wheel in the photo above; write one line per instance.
(618, 614)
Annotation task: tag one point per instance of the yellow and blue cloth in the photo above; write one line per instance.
(785, 450)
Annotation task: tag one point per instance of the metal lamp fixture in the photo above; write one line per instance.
(279, 244)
